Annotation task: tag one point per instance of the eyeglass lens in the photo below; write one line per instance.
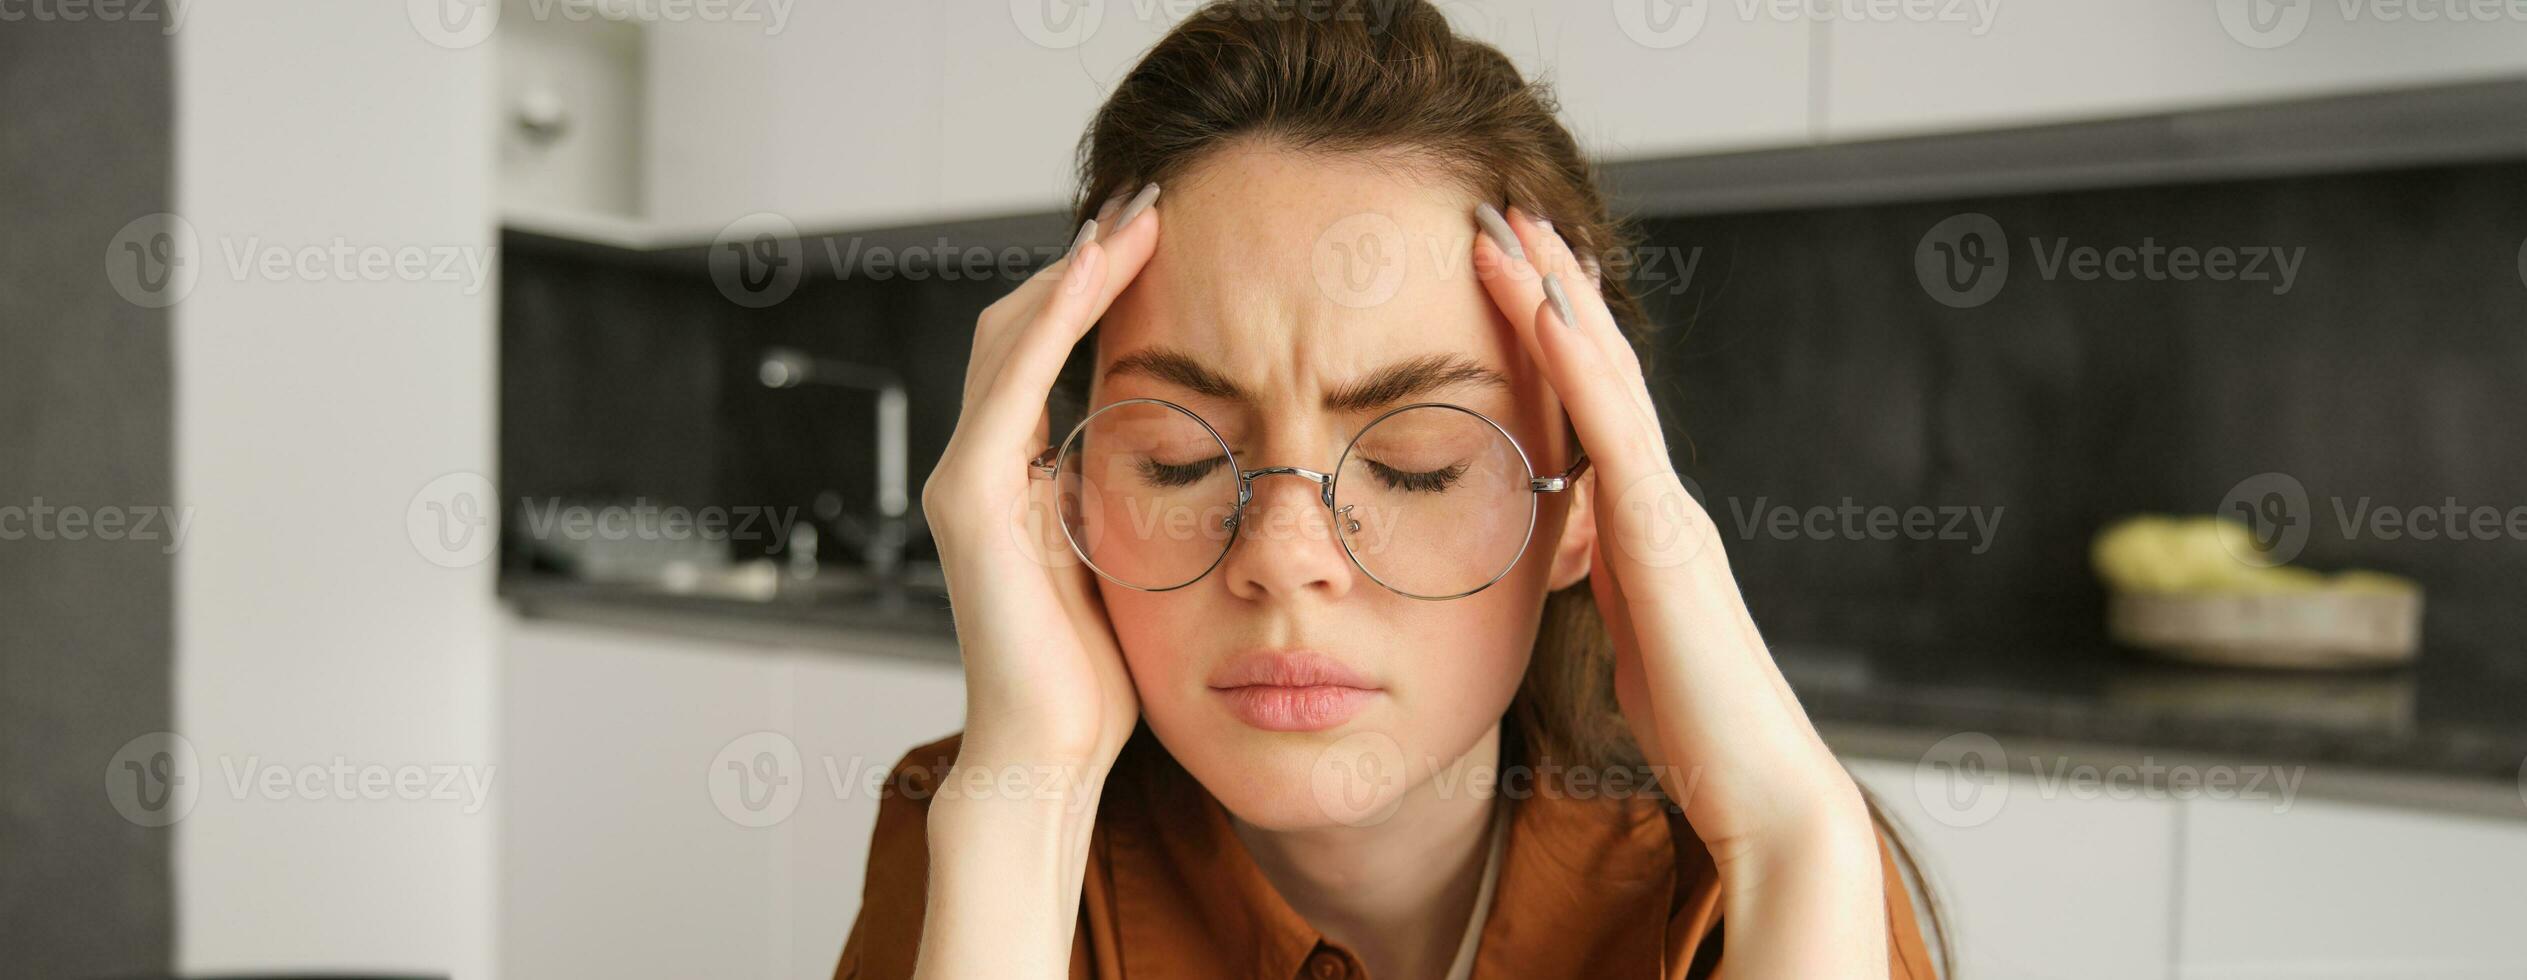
(1431, 501)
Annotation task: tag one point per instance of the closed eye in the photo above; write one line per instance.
(1178, 474)
(1412, 481)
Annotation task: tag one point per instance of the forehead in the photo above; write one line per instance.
(1293, 272)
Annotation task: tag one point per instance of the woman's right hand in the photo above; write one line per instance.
(1045, 683)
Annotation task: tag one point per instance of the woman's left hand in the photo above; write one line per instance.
(1697, 685)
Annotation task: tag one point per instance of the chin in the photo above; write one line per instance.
(1283, 781)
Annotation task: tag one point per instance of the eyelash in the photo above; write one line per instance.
(1431, 481)
(1187, 474)
(1178, 474)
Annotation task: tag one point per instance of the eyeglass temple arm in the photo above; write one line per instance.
(1561, 481)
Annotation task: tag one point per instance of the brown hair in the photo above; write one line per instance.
(1390, 77)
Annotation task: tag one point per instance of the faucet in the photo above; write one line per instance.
(883, 550)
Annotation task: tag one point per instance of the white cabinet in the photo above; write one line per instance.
(1020, 85)
(1980, 64)
(1649, 78)
(830, 118)
(2327, 889)
(630, 847)
(2095, 876)
(2036, 883)
(849, 116)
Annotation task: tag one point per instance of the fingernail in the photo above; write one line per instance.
(1105, 212)
(1140, 203)
(1489, 217)
(1087, 230)
(1561, 300)
(1544, 223)
(1596, 273)
(1075, 279)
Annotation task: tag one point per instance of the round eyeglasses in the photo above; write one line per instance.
(1430, 500)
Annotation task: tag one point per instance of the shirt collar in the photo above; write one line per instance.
(1587, 886)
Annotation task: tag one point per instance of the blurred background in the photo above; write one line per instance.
(459, 459)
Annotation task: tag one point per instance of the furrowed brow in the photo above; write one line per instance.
(1385, 386)
(1409, 378)
(1180, 369)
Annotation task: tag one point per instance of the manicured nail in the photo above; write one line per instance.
(1075, 280)
(1561, 300)
(1087, 230)
(1105, 212)
(1489, 217)
(1140, 203)
(1596, 273)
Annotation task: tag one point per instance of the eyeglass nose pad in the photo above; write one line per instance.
(1350, 525)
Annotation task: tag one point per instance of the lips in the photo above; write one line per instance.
(1292, 690)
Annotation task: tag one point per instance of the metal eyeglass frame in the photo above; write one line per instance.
(1048, 464)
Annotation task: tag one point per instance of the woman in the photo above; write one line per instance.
(1345, 687)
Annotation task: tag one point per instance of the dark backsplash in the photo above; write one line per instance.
(1802, 364)
(1806, 363)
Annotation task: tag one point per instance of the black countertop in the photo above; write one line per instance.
(2447, 716)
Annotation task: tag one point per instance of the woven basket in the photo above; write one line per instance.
(2311, 630)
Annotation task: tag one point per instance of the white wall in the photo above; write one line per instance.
(309, 413)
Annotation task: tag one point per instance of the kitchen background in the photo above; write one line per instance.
(709, 287)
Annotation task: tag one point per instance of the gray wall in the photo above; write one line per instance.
(85, 394)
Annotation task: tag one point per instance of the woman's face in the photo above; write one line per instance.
(1283, 278)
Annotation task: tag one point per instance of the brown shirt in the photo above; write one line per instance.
(1591, 886)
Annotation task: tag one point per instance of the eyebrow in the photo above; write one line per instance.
(1385, 386)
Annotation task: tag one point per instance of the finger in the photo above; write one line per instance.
(1553, 256)
(1029, 293)
(1100, 270)
(1641, 497)
(1000, 327)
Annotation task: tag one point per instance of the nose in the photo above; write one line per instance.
(1285, 542)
